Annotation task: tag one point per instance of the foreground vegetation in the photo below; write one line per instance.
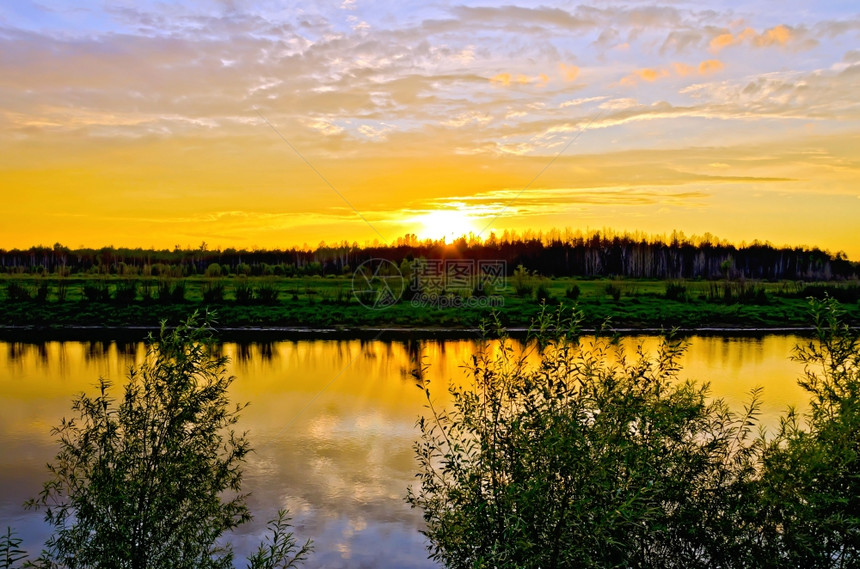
(594, 458)
(554, 456)
(153, 479)
(325, 302)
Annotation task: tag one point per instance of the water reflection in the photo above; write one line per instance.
(332, 423)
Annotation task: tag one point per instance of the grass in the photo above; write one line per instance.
(114, 301)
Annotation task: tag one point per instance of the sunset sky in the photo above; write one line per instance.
(277, 124)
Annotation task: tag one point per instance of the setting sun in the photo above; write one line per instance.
(446, 223)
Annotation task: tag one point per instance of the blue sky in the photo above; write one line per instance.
(733, 118)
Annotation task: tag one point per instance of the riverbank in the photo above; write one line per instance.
(319, 319)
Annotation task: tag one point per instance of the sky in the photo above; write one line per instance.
(274, 124)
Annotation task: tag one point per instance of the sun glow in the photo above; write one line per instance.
(445, 223)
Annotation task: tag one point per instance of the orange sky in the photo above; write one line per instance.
(158, 126)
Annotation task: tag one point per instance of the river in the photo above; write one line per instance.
(332, 423)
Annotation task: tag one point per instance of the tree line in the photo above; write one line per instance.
(596, 254)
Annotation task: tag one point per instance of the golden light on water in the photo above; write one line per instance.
(332, 422)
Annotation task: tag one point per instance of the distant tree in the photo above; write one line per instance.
(522, 281)
(213, 270)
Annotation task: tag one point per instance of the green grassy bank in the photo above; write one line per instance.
(313, 302)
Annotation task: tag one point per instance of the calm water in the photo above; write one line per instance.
(332, 423)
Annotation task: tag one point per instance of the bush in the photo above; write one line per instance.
(153, 479)
(572, 292)
(148, 290)
(522, 281)
(613, 291)
(213, 292)
(542, 294)
(267, 293)
(41, 291)
(96, 292)
(126, 292)
(17, 292)
(10, 550)
(849, 292)
(62, 289)
(675, 291)
(811, 473)
(213, 270)
(575, 461)
(171, 292)
(244, 292)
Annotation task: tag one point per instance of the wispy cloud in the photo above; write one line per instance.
(158, 100)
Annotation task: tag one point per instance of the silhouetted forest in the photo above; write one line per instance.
(554, 253)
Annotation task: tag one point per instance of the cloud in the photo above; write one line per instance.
(648, 74)
(710, 66)
(502, 78)
(507, 79)
(780, 35)
(469, 117)
(725, 40)
(568, 72)
(681, 41)
(513, 17)
(580, 101)
(377, 133)
(682, 69)
(324, 126)
(679, 69)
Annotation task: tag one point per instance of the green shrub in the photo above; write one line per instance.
(213, 270)
(522, 281)
(568, 459)
(558, 455)
(17, 292)
(572, 292)
(96, 291)
(11, 554)
(41, 291)
(171, 291)
(267, 293)
(148, 289)
(126, 292)
(810, 511)
(62, 289)
(244, 292)
(675, 291)
(153, 478)
(849, 292)
(213, 292)
(542, 294)
(613, 291)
